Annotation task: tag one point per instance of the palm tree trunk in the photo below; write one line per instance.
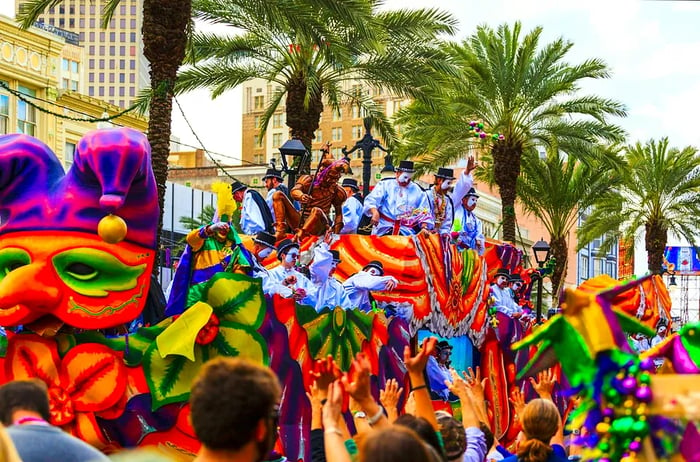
(165, 27)
(560, 251)
(655, 240)
(303, 120)
(506, 169)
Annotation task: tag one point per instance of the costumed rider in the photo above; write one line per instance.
(467, 229)
(398, 206)
(661, 334)
(441, 204)
(273, 183)
(438, 370)
(263, 246)
(371, 278)
(285, 280)
(330, 292)
(515, 284)
(352, 207)
(502, 296)
(255, 213)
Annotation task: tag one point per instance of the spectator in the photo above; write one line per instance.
(24, 407)
(541, 421)
(394, 444)
(234, 410)
(8, 453)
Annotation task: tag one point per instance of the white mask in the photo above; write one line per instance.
(446, 185)
(265, 252)
(291, 256)
(471, 201)
(405, 177)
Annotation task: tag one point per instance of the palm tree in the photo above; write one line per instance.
(524, 91)
(555, 189)
(394, 50)
(659, 192)
(205, 217)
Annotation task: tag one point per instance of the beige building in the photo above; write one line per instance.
(31, 100)
(114, 68)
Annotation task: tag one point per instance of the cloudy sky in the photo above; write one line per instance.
(651, 47)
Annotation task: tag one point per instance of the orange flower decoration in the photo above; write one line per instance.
(90, 379)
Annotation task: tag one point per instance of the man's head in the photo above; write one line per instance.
(336, 260)
(375, 268)
(288, 253)
(661, 330)
(263, 245)
(515, 282)
(238, 191)
(234, 403)
(501, 278)
(469, 201)
(404, 172)
(350, 186)
(272, 178)
(453, 436)
(23, 395)
(443, 180)
(443, 352)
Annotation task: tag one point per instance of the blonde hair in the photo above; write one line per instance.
(540, 420)
(8, 453)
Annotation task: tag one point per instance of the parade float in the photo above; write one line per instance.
(77, 250)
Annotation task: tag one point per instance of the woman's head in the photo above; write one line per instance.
(423, 429)
(393, 444)
(540, 420)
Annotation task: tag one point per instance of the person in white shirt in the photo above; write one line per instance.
(263, 246)
(440, 201)
(273, 183)
(502, 295)
(371, 278)
(352, 207)
(398, 206)
(285, 280)
(255, 213)
(329, 291)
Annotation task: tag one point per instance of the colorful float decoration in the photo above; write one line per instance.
(76, 253)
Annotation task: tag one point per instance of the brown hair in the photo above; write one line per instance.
(393, 444)
(229, 397)
(23, 395)
(540, 420)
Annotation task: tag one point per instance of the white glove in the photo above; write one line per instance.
(220, 227)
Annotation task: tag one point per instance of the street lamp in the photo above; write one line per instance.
(294, 148)
(367, 144)
(541, 250)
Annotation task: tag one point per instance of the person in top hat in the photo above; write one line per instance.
(515, 284)
(501, 296)
(273, 183)
(263, 246)
(442, 202)
(371, 278)
(329, 291)
(397, 206)
(285, 280)
(255, 213)
(438, 370)
(352, 207)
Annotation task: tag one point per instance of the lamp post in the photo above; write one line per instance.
(367, 144)
(541, 251)
(294, 148)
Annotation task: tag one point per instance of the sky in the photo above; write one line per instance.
(651, 47)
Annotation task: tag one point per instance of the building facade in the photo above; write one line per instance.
(114, 68)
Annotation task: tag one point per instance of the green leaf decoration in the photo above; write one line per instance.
(237, 298)
(64, 342)
(238, 340)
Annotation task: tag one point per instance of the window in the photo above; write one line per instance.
(258, 102)
(598, 266)
(64, 64)
(610, 269)
(74, 85)
(64, 83)
(277, 120)
(132, 37)
(276, 140)
(356, 132)
(319, 136)
(257, 141)
(4, 114)
(337, 152)
(112, 50)
(337, 115)
(68, 155)
(257, 121)
(101, 77)
(74, 67)
(583, 270)
(26, 114)
(122, 77)
(112, 36)
(355, 112)
(259, 158)
(337, 133)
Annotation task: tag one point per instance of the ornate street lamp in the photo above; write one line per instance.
(296, 149)
(541, 251)
(367, 144)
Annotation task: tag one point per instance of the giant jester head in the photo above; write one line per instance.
(76, 248)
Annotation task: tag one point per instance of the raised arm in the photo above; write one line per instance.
(416, 368)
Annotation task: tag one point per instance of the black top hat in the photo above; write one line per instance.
(375, 264)
(405, 166)
(336, 256)
(502, 272)
(351, 183)
(265, 238)
(272, 173)
(515, 277)
(446, 173)
(442, 345)
(237, 186)
(285, 246)
(472, 192)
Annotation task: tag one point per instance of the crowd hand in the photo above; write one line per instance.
(544, 385)
(374, 219)
(518, 401)
(333, 407)
(410, 407)
(457, 386)
(356, 381)
(416, 364)
(299, 294)
(389, 396)
(220, 227)
(474, 382)
(290, 280)
(325, 372)
(390, 285)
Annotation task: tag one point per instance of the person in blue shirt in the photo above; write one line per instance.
(541, 421)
